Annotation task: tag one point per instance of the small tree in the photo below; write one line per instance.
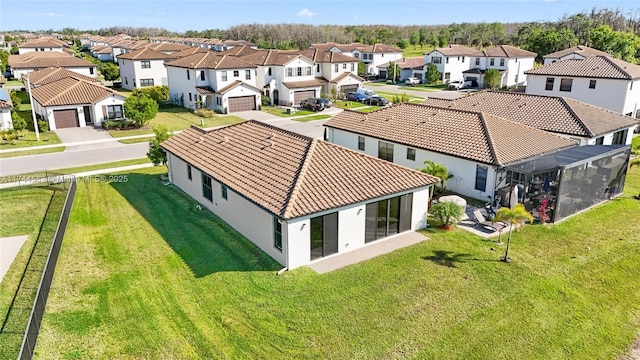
(156, 154)
(362, 69)
(392, 70)
(110, 71)
(448, 213)
(15, 99)
(400, 98)
(491, 78)
(140, 109)
(512, 217)
(157, 93)
(414, 39)
(437, 170)
(18, 122)
(4, 60)
(334, 94)
(433, 74)
(402, 43)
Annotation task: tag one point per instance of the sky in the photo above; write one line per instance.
(180, 16)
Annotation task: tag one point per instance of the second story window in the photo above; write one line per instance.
(501, 62)
(146, 64)
(592, 84)
(224, 75)
(436, 60)
(269, 72)
(188, 75)
(492, 61)
(565, 84)
(202, 75)
(336, 68)
(344, 66)
(353, 67)
(549, 84)
(477, 61)
(299, 71)
(289, 72)
(309, 71)
(236, 73)
(247, 74)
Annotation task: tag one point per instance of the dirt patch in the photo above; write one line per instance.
(634, 352)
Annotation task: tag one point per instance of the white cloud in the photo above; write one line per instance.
(306, 13)
(51, 14)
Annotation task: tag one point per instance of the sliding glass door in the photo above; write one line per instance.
(324, 235)
(388, 217)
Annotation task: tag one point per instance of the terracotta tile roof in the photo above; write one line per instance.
(407, 63)
(305, 83)
(239, 51)
(582, 50)
(235, 84)
(45, 59)
(343, 47)
(71, 91)
(593, 67)
(145, 54)
(455, 50)
(98, 48)
(549, 113)
(210, 60)
(238, 43)
(205, 90)
(506, 51)
(106, 50)
(5, 104)
(42, 43)
(136, 45)
(287, 174)
(167, 47)
(344, 76)
(321, 56)
(469, 135)
(189, 51)
(54, 73)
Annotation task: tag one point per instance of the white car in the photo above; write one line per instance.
(412, 81)
(456, 85)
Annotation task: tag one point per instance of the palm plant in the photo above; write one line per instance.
(512, 217)
(437, 170)
(447, 212)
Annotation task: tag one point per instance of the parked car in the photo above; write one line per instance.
(456, 85)
(378, 100)
(371, 77)
(411, 81)
(359, 97)
(313, 104)
(326, 102)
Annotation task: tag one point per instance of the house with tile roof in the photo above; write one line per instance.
(51, 74)
(458, 62)
(372, 55)
(143, 67)
(214, 81)
(474, 146)
(6, 123)
(296, 198)
(22, 64)
(585, 123)
(288, 77)
(44, 44)
(409, 67)
(74, 102)
(602, 81)
(580, 52)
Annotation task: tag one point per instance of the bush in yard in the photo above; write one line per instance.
(157, 93)
(156, 154)
(18, 122)
(140, 109)
(433, 74)
(400, 98)
(266, 101)
(110, 71)
(43, 125)
(15, 99)
(205, 113)
(448, 213)
(491, 78)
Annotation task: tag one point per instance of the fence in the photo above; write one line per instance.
(42, 293)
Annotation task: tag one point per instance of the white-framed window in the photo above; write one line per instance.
(411, 154)
(223, 74)
(236, 73)
(501, 62)
(146, 82)
(247, 74)
(436, 60)
(277, 234)
(353, 67)
(344, 66)
(492, 61)
(114, 112)
(336, 68)
(361, 143)
(289, 72)
(145, 64)
(566, 84)
(189, 175)
(477, 61)
(309, 71)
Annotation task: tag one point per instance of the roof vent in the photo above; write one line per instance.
(366, 117)
(200, 140)
(269, 144)
(271, 136)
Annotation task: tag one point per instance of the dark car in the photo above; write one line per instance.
(359, 97)
(313, 104)
(378, 100)
(326, 102)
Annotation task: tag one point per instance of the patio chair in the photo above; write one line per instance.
(479, 219)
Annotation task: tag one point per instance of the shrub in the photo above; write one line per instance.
(43, 125)
(15, 99)
(448, 213)
(266, 101)
(118, 124)
(205, 113)
(18, 122)
(157, 93)
(140, 109)
(400, 98)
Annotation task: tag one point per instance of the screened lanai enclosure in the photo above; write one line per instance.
(555, 186)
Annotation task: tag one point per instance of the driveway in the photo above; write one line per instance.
(82, 134)
(256, 115)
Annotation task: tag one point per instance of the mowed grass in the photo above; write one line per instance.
(22, 213)
(143, 274)
(418, 51)
(312, 118)
(177, 118)
(283, 112)
(34, 151)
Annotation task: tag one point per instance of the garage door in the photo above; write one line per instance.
(298, 96)
(65, 118)
(242, 103)
(345, 89)
(383, 74)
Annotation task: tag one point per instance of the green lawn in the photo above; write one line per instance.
(123, 91)
(283, 112)
(135, 141)
(177, 118)
(312, 118)
(417, 52)
(635, 142)
(348, 104)
(80, 169)
(13, 82)
(22, 213)
(35, 151)
(143, 274)
(29, 140)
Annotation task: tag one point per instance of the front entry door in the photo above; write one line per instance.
(324, 235)
(88, 116)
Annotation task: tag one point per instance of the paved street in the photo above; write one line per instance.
(442, 94)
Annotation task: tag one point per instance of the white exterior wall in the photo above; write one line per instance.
(328, 70)
(180, 86)
(463, 171)
(351, 228)
(131, 72)
(214, 78)
(104, 57)
(632, 100)
(28, 50)
(456, 65)
(516, 68)
(97, 115)
(609, 93)
(251, 221)
(379, 59)
(17, 73)
(5, 119)
(295, 232)
(235, 92)
(608, 138)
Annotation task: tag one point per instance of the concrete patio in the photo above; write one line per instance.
(368, 252)
(469, 225)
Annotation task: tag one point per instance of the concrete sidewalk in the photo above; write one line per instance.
(9, 248)
(79, 143)
(367, 252)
